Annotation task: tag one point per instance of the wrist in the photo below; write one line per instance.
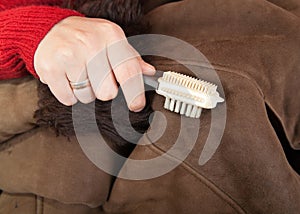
(25, 27)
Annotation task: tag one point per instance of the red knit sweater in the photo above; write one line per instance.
(23, 24)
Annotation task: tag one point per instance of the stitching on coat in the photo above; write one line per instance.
(204, 180)
(39, 205)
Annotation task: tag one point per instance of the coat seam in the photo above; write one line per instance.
(209, 184)
(39, 204)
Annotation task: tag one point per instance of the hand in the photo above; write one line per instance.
(79, 48)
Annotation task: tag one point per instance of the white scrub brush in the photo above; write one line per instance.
(185, 95)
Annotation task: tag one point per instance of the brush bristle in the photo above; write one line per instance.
(187, 95)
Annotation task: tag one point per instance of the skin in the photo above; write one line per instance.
(78, 48)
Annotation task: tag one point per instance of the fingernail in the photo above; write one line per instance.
(150, 68)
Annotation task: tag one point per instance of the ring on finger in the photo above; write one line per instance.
(81, 84)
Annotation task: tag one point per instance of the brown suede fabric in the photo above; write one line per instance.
(17, 104)
(150, 5)
(254, 47)
(292, 6)
(39, 162)
(248, 174)
(261, 46)
(28, 204)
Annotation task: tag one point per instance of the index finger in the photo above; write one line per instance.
(124, 61)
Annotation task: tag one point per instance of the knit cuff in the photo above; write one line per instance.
(27, 26)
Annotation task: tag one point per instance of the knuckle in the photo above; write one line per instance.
(62, 96)
(83, 36)
(42, 64)
(125, 73)
(121, 76)
(117, 29)
(137, 104)
(109, 95)
(114, 30)
(65, 53)
(70, 102)
(86, 99)
(67, 100)
(45, 74)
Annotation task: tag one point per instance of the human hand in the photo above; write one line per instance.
(78, 49)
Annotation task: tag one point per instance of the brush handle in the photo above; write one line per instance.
(152, 81)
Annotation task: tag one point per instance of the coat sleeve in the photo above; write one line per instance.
(23, 24)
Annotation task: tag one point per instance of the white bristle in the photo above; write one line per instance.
(178, 106)
(183, 107)
(187, 95)
(172, 105)
(188, 110)
(194, 112)
(167, 103)
(199, 110)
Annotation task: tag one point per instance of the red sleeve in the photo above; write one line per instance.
(9, 4)
(21, 30)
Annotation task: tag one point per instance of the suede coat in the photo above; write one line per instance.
(254, 47)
